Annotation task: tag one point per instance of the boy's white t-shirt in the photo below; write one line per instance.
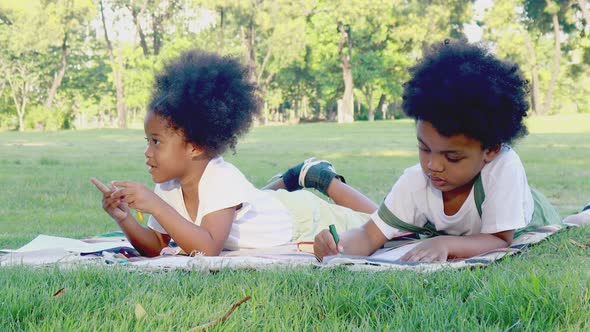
(262, 221)
(508, 201)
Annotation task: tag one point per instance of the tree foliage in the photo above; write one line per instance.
(57, 70)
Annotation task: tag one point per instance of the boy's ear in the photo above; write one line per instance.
(491, 152)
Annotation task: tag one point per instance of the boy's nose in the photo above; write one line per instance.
(435, 163)
(147, 151)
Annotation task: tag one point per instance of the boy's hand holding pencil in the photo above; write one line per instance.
(326, 243)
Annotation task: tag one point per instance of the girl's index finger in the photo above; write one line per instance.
(121, 184)
(104, 189)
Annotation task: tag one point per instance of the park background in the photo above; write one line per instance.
(293, 51)
(82, 63)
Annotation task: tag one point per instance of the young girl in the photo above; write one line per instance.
(200, 104)
(470, 188)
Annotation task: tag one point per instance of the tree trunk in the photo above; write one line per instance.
(135, 14)
(20, 109)
(535, 75)
(18, 92)
(369, 97)
(248, 36)
(556, 60)
(380, 105)
(59, 75)
(586, 12)
(265, 113)
(221, 37)
(346, 111)
(156, 33)
(20, 103)
(115, 64)
(121, 111)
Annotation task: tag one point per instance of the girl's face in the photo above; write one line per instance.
(451, 163)
(167, 154)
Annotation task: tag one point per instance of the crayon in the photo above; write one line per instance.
(334, 233)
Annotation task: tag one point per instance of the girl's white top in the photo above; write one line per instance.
(262, 221)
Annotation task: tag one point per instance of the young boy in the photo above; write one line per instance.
(470, 187)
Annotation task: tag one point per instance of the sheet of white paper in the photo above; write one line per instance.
(42, 257)
(44, 242)
(394, 254)
(384, 255)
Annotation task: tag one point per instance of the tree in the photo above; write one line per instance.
(21, 82)
(70, 17)
(117, 67)
(271, 34)
(536, 24)
(346, 104)
(25, 34)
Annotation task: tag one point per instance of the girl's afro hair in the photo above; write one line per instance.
(208, 97)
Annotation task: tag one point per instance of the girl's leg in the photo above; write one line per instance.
(320, 174)
(275, 185)
(581, 218)
(345, 195)
(288, 180)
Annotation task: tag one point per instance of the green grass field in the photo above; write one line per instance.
(45, 189)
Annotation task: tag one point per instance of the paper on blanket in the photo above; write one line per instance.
(46, 242)
(385, 255)
(43, 257)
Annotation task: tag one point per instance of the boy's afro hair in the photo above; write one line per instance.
(462, 89)
(208, 97)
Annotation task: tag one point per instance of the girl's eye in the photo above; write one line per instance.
(152, 140)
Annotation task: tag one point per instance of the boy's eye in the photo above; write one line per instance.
(454, 159)
(423, 148)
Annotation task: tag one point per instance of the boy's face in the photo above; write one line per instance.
(167, 153)
(451, 163)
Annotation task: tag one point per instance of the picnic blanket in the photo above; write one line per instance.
(113, 249)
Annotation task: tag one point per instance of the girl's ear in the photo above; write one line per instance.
(196, 151)
(491, 152)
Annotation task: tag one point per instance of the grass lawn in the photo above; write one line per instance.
(45, 189)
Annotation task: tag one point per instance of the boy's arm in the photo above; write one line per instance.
(361, 241)
(440, 248)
